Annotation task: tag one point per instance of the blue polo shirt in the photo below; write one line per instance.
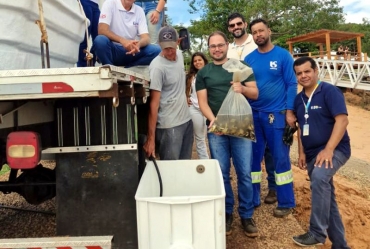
(326, 103)
(275, 78)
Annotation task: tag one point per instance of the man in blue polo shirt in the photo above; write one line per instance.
(323, 148)
(121, 21)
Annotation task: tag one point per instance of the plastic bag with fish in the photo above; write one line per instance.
(235, 116)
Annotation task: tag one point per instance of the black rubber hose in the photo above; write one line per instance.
(159, 175)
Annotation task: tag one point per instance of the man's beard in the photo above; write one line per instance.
(219, 59)
(262, 43)
(241, 34)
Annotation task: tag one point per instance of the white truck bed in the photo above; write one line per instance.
(66, 82)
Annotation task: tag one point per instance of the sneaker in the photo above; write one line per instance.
(306, 239)
(280, 212)
(229, 222)
(271, 197)
(249, 227)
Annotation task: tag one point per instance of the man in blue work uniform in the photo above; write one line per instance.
(323, 147)
(276, 81)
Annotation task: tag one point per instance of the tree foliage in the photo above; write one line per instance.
(287, 18)
(357, 28)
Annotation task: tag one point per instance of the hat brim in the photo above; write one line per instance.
(168, 44)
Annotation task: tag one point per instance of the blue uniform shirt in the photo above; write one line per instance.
(275, 78)
(326, 103)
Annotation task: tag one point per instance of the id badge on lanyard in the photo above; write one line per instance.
(306, 126)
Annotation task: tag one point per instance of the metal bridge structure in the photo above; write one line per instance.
(345, 73)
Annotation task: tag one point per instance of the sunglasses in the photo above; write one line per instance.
(237, 24)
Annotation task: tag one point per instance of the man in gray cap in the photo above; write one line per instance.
(169, 125)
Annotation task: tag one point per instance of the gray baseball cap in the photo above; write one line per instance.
(167, 37)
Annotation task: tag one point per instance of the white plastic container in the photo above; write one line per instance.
(191, 213)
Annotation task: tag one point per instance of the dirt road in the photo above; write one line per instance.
(352, 190)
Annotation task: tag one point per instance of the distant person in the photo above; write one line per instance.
(347, 53)
(92, 12)
(242, 46)
(340, 50)
(154, 16)
(324, 147)
(119, 24)
(198, 61)
(169, 123)
(213, 83)
(296, 50)
(272, 111)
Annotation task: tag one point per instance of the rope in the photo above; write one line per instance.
(41, 23)
(89, 56)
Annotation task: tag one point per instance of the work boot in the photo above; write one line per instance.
(271, 197)
(249, 227)
(306, 239)
(229, 222)
(280, 212)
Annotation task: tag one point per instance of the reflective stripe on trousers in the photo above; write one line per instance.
(284, 178)
(256, 177)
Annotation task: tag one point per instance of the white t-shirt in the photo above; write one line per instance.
(127, 24)
(95, 1)
(193, 94)
(239, 52)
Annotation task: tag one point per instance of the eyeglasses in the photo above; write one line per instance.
(219, 46)
(237, 24)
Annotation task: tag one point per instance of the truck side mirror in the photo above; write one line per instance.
(185, 42)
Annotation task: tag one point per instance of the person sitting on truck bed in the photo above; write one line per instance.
(120, 22)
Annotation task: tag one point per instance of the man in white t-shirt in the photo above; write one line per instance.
(243, 42)
(121, 21)
(243, 45)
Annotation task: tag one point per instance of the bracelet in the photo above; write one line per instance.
(158, 11)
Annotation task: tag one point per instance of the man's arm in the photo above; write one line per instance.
(149, 146)
(249, 89)
(130, 45)
(204, 107)
(301, 155)
(144, 40)
(340, 126)
(291, 87)
(154, 17)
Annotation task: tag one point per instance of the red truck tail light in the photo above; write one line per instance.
(23, 149)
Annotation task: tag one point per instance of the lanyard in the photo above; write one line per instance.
(308, 102)
(240, 52)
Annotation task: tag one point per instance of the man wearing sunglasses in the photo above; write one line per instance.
(243, 42)
(242, 46)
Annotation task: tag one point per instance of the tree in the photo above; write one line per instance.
(287, 18)
(357, 28)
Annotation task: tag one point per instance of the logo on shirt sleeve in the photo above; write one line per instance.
(102, 16)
